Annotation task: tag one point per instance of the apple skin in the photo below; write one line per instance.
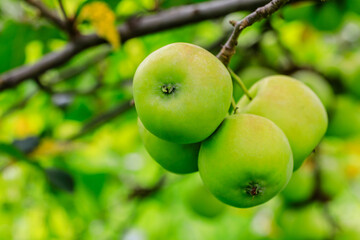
(174, 157)
(182, 93)
(318, 84)
(292, 106)
(301, 185)
(246, 162)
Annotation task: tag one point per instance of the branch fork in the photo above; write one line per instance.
(229, 49)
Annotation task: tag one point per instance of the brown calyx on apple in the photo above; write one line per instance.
(253, 189)
(168, 88)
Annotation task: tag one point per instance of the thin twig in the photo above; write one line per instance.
(70, 22)
(63, 9)
(228, 50)
(47, 13)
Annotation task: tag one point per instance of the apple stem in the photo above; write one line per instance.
(240, 82)
(233, 104)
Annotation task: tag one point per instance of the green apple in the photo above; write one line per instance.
(301, 186)
(182, 93)
(318, 84)
(345, 121)
(292, 106)
(203, 203)
(247, 161)
(174, 157)
(308, 222)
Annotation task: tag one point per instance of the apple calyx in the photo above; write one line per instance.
(168, 88)
(253, 189)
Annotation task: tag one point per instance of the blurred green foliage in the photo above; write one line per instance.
(101, 184)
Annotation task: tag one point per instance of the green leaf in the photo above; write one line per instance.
(60, 179)
(27, 145)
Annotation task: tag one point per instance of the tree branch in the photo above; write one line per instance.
(135, 27)
(228, 50)
(70, 22)
(47, 13)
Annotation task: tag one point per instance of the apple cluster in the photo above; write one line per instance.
(182, 96)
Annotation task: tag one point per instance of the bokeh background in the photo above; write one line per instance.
(72, 165)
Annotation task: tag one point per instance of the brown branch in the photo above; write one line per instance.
(47, 13)
(228, 50)
(62, 75)
(70, 22)
(135, 27)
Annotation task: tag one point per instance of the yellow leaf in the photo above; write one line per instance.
(49, 147)
(102, 18)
